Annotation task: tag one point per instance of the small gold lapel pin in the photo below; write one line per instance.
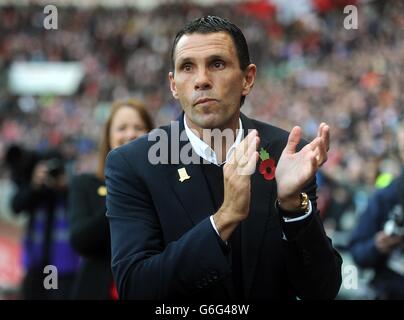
(102, 191)
(183, 174)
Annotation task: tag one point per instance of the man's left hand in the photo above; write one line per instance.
(296, 169)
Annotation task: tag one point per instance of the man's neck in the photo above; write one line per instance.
(219, 139)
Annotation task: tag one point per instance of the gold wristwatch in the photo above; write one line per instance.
(304, 201)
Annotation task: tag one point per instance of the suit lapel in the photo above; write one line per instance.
(193, 193)
(253, 228)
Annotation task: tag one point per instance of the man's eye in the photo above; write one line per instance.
(187, 67)
(218, 64)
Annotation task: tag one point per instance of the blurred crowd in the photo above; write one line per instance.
(309, 70)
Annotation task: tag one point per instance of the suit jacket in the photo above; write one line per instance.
(164, 245)
(89, 236)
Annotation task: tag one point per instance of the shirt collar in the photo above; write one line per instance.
(203, 150)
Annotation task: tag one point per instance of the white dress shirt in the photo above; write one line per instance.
(204, 150)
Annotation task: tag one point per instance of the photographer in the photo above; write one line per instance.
(378, 240)
(42, 194)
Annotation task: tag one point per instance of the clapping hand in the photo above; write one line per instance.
(296, 169)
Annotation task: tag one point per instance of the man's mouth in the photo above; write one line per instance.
(204, 100)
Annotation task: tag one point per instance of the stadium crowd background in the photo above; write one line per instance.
(310, 69)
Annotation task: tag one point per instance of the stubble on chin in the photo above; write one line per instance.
(208, 121)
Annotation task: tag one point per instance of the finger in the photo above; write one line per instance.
(317, 153)
(232, 159)
(249, 168)
(326, 137)
(324, 132)
(242, 148)
(252, 147)
(321, 153)
(320, 129)
(293, 140)
(314, 164)
(314, 144)
(252, 162)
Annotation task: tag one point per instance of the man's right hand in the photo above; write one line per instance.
(385, 243)
(237, 186)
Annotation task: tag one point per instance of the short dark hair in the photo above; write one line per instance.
(211, 24)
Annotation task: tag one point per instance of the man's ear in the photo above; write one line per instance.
(173, 87)
(249, 78)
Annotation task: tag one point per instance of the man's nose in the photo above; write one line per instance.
(202, 80)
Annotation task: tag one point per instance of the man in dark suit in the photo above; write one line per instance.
(217, 228)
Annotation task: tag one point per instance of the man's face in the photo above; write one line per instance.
(208, 80)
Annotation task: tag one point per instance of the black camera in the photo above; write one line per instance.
(22, 162)
(55, 168)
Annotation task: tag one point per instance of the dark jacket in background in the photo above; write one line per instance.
(45, 241)
(388, 284)
(89, 236)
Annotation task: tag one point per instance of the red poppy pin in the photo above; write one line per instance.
(267, 166)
